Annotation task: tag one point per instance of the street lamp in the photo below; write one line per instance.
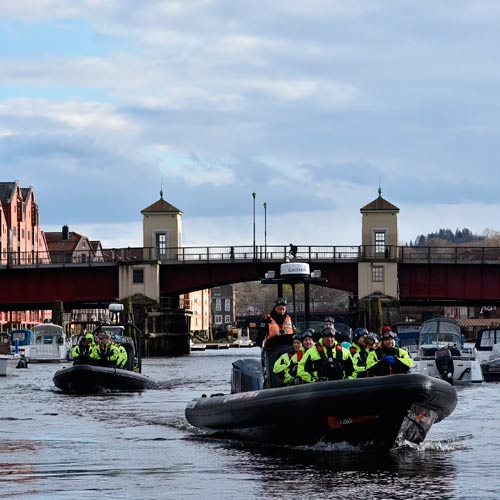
(254, 194)
(265, 229)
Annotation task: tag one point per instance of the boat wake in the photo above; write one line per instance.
(451, 444)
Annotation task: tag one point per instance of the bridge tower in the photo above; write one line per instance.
(162, 228)
(378, 267)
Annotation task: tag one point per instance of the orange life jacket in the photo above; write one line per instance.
(274, 329)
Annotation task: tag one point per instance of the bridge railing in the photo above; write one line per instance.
(271, 253)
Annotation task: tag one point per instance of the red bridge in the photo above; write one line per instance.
(459, 275)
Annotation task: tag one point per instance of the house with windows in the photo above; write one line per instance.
(22, 242)
(21, 239)
(69, 247)
(223, 308)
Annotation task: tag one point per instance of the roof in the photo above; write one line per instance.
(161, 206)
(478, 321)
(7, 190)
(379, 204)
(55, 243)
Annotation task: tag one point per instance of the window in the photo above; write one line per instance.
(227, 305)
(227, 319)
(218, 319)
(378, 273)
(161, 243)
(380, 241)
(138, 276)
(218, 305)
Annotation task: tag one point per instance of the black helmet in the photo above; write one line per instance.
(280, 301)
(308, 333)
(328, 332)
(297, 336)
(359, 332)
(328, 319)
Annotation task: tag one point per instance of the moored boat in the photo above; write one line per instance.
(376, 411)
(44, 343)
(488, 348)
(442, 353)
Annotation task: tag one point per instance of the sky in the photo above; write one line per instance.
(310, 104)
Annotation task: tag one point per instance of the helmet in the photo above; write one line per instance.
(386, 329)
(89, 336)
(371, 338)
(328, 319)
(359, 332)
(280, 301)
(116, 338)
(328, 332)
(308, 333)
(297, 336)
(388, 334)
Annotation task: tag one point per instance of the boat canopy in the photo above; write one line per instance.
(23, 336)
(440, 330)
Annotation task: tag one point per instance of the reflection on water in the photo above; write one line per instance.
(138, 445)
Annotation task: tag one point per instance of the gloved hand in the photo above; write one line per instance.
(391, 360)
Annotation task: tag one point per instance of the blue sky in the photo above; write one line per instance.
(309, 104)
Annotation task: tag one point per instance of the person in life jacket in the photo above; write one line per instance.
(284, 367)
(105, 353)
(365, 344)
(81, 353)
(387, 359)
(122, 356)
(277, 322)
(327, 360)
(358, 340)
(307, 343)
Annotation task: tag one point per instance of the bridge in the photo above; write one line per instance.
(465, 275)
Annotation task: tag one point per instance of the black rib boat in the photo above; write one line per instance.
(372, 411)
(89, 377)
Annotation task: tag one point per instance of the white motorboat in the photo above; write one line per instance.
(441, 353)
(243, 341)
(488, 349)
(48, 344)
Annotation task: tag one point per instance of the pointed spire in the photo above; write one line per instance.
(161, 188)
(379, 188)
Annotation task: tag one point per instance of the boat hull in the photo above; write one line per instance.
(375, 411)
(89, 379)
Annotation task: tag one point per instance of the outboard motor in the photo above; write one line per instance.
(246, 375)
(444, 364)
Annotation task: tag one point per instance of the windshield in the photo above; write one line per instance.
(440, 331)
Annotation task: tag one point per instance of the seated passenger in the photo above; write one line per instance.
(122, 356)
(81, 353)
(327, 360)
(284, 367)
(104, 353)
(365, 345)
(387, 359)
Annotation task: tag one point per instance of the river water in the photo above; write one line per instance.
(139, 446)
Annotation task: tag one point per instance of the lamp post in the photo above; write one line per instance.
(265, 229)
(254, 194)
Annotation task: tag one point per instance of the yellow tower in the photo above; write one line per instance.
(162, 229)
(378, 268)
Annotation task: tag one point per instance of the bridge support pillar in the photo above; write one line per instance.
(58, 312)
